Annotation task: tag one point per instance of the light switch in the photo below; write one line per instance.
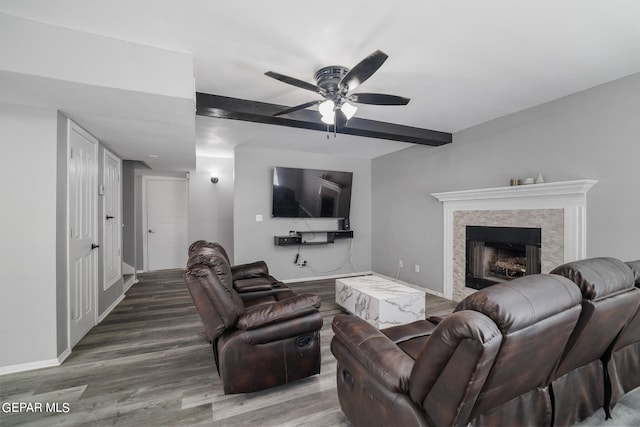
(258, 218)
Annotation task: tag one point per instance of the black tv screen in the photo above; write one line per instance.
(311, 193)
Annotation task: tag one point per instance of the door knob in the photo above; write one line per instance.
(110, 217)
(94, 246)
(150, 231)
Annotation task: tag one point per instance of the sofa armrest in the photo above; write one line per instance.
(307, 324)
(377, 353)
(250, 270)
(266, 314)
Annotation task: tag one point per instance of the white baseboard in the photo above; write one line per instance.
(127, 269)
(110, 308)
(64, 356)
(362, 273)
(21, 367)
(411, 285)
(129, 283)
(432, 292)
(333, 276)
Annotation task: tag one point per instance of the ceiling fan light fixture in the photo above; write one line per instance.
(326, 108)
(349, 110)
(328, 118)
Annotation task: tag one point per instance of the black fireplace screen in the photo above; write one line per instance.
(498, 254)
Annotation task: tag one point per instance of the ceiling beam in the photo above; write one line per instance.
(261, 112)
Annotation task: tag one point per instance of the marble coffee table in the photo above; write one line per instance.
(379, 301)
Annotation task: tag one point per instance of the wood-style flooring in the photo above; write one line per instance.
(147, 364)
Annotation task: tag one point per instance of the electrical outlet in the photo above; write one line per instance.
(302, 263)
(400, 263)
(417, 268)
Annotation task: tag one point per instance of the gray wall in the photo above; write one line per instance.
(592, 134)
(252, 196)
(28, 269)
(211, 205)
(61, 230)
(129, 209)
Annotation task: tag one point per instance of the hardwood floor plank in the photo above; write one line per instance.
(147, 364)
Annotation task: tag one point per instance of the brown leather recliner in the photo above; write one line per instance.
(581, 383)
(624, 366)
(260, 343)
(250, 280)
(488, 363)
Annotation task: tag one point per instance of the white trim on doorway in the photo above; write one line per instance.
(145, 225)
(92, 194)
(112, 194)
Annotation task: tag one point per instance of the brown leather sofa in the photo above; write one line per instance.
(488, 363)
(260, 342)
(517, 353)
(581, 384)
(624, 365)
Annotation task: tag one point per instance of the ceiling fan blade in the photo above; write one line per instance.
(297, 107)
(293, 81)
(363, 70)
(378, 99)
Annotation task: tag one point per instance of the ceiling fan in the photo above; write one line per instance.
(334, 83)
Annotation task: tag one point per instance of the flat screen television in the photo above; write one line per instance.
(311, 193)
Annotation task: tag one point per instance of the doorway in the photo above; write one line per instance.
(82, 177)
(165, 222)
(112, 228)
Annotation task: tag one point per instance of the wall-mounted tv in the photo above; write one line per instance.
(311, 193)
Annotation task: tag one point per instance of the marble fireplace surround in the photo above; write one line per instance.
(558, 208)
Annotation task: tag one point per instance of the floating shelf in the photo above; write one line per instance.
(312, 237)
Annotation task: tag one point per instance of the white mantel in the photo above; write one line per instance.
(570, 196)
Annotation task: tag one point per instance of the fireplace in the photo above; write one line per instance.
(498, 254)
(559, 209)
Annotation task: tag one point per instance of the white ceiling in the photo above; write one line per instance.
(462, 62)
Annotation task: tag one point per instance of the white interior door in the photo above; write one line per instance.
(82, 244)
(166, 203)
(112, 222)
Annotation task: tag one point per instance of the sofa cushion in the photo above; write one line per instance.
(453, 366)
(523, 302)
(250, 270)
(536, 315)
(203, 246)
(635, 267)
(410, 337)
(598, 278)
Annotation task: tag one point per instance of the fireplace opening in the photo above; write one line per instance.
(498, 254)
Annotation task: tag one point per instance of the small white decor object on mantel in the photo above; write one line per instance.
(539, 179)
(570, 197)
(379, 301)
